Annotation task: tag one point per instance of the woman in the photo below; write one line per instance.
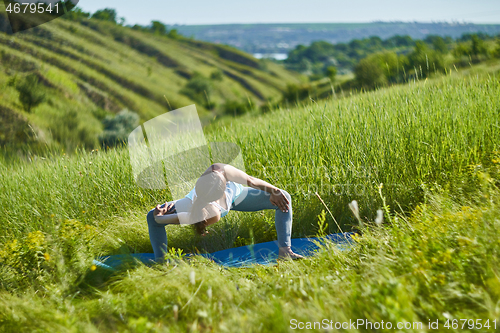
(217, 191)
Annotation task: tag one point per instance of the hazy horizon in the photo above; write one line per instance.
(223, 12)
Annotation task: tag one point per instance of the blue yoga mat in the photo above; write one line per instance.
(243, 256)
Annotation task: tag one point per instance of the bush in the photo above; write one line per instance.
(71, 129)
(296, 92)
(118, 128)
(198, 88)
(31, 92)
(217, 75)
(237, 108)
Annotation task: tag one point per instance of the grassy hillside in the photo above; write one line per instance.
(433, 145)
(92, 69)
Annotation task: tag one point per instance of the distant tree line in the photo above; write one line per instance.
(110, 15)
(376, 62)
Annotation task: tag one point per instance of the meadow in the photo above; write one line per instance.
(426, 153)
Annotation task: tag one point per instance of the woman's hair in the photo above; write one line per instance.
(209, 187)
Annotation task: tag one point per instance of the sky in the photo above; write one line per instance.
(295, 11)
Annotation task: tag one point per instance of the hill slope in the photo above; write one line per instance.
(94, 68)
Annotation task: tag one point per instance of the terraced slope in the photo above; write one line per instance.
(94, 68)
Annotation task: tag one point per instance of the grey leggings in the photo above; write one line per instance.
(253, 200)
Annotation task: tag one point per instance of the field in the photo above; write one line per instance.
(426, 153)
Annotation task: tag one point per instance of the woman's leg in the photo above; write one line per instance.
(157, 233)
(255, 199)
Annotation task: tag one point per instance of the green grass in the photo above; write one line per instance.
(432, 144)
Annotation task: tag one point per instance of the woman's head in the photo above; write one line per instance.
(209, 187)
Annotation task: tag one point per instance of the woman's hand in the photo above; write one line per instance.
(278, 199)
(168, 209)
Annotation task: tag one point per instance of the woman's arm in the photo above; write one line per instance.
(238, 176)
(183, 217)
(176, 218)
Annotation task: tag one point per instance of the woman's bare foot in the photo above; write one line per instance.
(287, 253)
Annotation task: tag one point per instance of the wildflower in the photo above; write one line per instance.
(46, 256)
(93, 268)
(90, 162)
(35, 240)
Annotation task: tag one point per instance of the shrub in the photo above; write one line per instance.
(198, 88)
(31, 92)
(71, 129)
(236, 108)
(296, 92)
(217, 75)
(118, 128)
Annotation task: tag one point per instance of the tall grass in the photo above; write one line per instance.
(432, 144)
(403, 137)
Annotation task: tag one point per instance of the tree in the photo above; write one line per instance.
(369, 73)
(31, 92)
(174, 34)
(496, 52)
(331, 73)
(424, 60)
(107, 14)
(438, 43)
(76, 14)
(478, 47)
(158, 28)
